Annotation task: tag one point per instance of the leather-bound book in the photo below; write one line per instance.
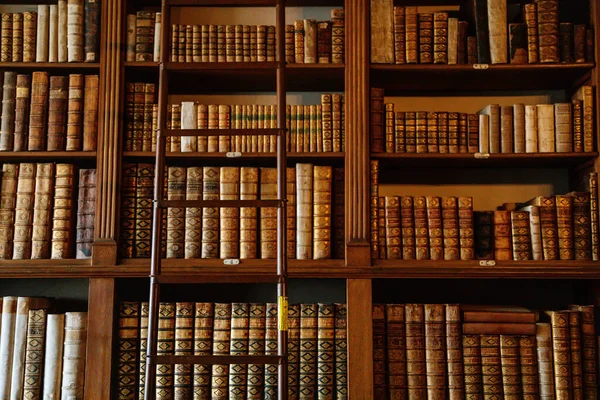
(147, 133)
(210, 215)
(193, 215)
(548, 31)
(137, 117)
(176, 188)
(189, 41)
(17, 37)
(339, 240)
(392, 227)
(585, 94)
(561, 348)
(270, 43)
(131, 37)
(575, 349)
(291, 212)
(466, 232)
(472, 133)
(325, 351)
(128, 349)
(530, 17)
(450, 228)
(548, 224)
(435, 350)
(425, 38)
(545, 360)
(174, 42)
(421, 228)
(484, 234)
(463, 30)
(478, 18)
(577, 126)
(53, 34)
(293, 350)
(92, 23)
(565, 41)
(563, 127)
(497, 328)
(212, 43)
(410, 132)
(564, 222)
(462, 133)
(90, 113)
(589, 45)
(229, 43)
(535, 231)
(377, 121)
(498, 35)
(298, 41)
(472, 50)
(432, 132)
(308, 350)
(143, 210)
(6, 26)
(381, 227)
(519, 128)
(238, 373)
(336, 121)
(268, 215)
(546, 126)
(407, 223)
(324, 42)
(127, 212)
(531, 129)
(75, 31)
(396, 350)
(157, 37)
(337, 36)
(579, 43)
(440, 37)
(202, 123)
(453, 41)
(229, 232)
(582, 241)
(521, 235)
(491, 372)
(42, 206)
(271, 372)
(399, 35)
(9, 317)
(454, 353)
(86, 212)
(290, 57)
(517, 43)
(248, 215)
(203, 336)
(415, 351)
(374, 193)
(75, 113)
(472, 367)
(57, 113)
(304, 213)
(213, 123)
(453, 132)
(421, 131)
(506, 129)
(42, 36)
(502, 235)
(341, 356)
(493, 111)
(412, 34)
(310, 41)
(434, 223)
(34, 353)
(400, 132)
(7, 120)
(528, 367)
(389, 127)
(53, 355)
(144, 33)
(143, 346)
(379, 353)
(484, 133)
(29, 35)
(224, 142)
(588, 347)
(62, 232)
(510, 368)
(382, 32)
(256, 346)
(73, 373)
(165, 347)
(221, 347)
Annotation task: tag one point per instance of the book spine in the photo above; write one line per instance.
(410, 132)
(325, 351)
(41, 42)
(519, 128)
(248, 215)
(472, 133)
(463, 27)
(203, 337)
(8, 200)
(466, 232)
(545, 360)
(510, 368)
(589, 45)
(577, 126)
(564, 219)
(73, 373)
(6, 42)
(484, 235)
(24, 212)
(565, 42)
(412, 32)
(548, 223)
(498, 35)
(128, 351)
(210, 215)
(379, 352)
(256, 345)
(590, 390)
(382, 34)
(421, 214)
(579, 43)
(291, 212)
(416, 351)
(7, 120)
(396, 350)
(561, 348)
(377, 121)
(587, 98)
(57, 113)
(506, 129)
(337, 36)
(440, 38)
(53, 355)
(239, 43)
(381, 227)
(454, 353)
(462, 133)
(434, 223)
(472, 367)
(310, 41)
(491, 371)
(268, 215)
(400, 133)
(144, 34)
(143, 346)
(92, 22)
(581, 226)
(29, 35)
(75, 113)
(90, 113)
(299, 34)
(229, 232)
(593, 185)
(147, 133)
(407, 222)
(239, 346)
(34, 353)
(484, 133)
(86, 211)
(17, 364)
(432, 132)
(453, 132)
(531, 129)
(131, 37)
(453, 37)
(271, 372)
(9, 318)
(166, 347)
(17, 37)
(399, 35)
(44, 188)
(392, 227)
(482, 32)
(521, 235)
(530, 12)
(339, 239)
(62, 212)
(143, 210)
(304, 211)
(421, 131)
(502, 236)
(290, 57)
(563, 127)
(336, 119)
(340, 352)
(374, 193)
(75, 31)
(450, 228)
(425, 38)
(322, 196)
(528, 364)
(293, 350)
(127, 214)
(157, 37)
(308, 349)
(548, 31)
(435, 350)
(575, 349)
(229, 43)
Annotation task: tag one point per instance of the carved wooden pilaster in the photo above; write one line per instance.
(105, 248)
(359, 299)
(357, 132)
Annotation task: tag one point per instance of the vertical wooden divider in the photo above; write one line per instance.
(359, 299)
(98, 363)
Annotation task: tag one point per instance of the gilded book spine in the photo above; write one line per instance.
(434, 223)
(472, 133)
(41, 42)
(203, 337)
(577, 126)
(565, 42)
(34, 354)
(454, 353)
(143, 210)
(561, 347)
(248, 215)
(425, 38)
(238, 346)
(530, 12)
(325, 351)
(322, 196)
(57, 113)
(412, 35)
(73, 373)
(62, 236)
(575, 350)
(421, 228)
(137, 130)
(6, 42)
(564, 219)
(443, 132)
(585, 94)
(147, 132)
(410, 132)
(8, 200)
(271, 375)
(75, 113)
(549, 229)
(294, 350)
(377, 122)
(176, 189)
(210, 215)
(341, 356)
(502, 235)
(304, 198)
(381, 227)
(308, 348)
(432, 132)
(491, 372)
(374, 190)
(472, 367)
(290, 57)
(7, 120)
(127, 212)
(400, 133)
(521, 235)
(466, 232)
(166, 347)
(230, 216)
(268, 215)
(193, 215)
(453, 132)
(407, 222)
(548, 31)
(291, 212)
(421, 131)
(141, 382)
(256, 345)
(337, 36)
(399, 35)
(29, 35)
(128, 341)
(144, 32)
(379, 353)
(450, 228)
(593, 185)
(416, 351)
(24, 212)
(581, 226)
(392, 227)
(588, 360)
(90, 113)
(339, 241)
(440, 38)
(529, 369)
(511, 372)
(435, 350)
(75, 31)
(299, 41)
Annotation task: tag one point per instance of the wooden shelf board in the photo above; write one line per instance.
(314, 3)
(460, 78)
(47, 65)
(67, 268)
(495, 160)
(141, 64)
(234, 67)
(223, 3)
(47, 155)
(245, 156)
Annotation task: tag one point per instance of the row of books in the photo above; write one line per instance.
(474, 352)
(315, 212)
(42, 353)
(62, 32)
(41, 112)
(544, 128)
(482, 33)
(317, 359)
(143, 36)
(561, 227)
(37, 211)
(309, 41)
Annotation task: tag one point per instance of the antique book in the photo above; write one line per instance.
(90, 113)
(535, 231)
(310, 41)
(545, 360)
(256, 345)
(484, 234)
(29, 35)
(407, 223)
(337, 36)
(7, 120)
(127, 211)
(230, 216)
(7, 337)
(519, 128)
(425, 21)
(62, 234)
(74, 132)
(143, 346)
(24, 212)
(498, 35)
(336, 117)
(8, 200)
(143, 210)
(528, 366)
(308, 350)
(248, 215)
(473, 133)
(582, 242)
(157, 37)
(341, 356)
(410, 131)
(42, 37)
(128, 349)
(421, 228)
(293, 350)
(339, 240)
(453, 132)
(53, 356)
(400, 132)
(517, 43)
(493, 111)
(193, 215)
(75, 31)
(53, 34)
(298, 41)
(373, 223)
(379, 352)
(289, 44)
(6, 26)
(34, 354)
(577, 126)
(392, 227)
(147, 133)
(440, 37)
(416, 351)
(203, 336)
(466, 233)
(17, 37)
(434, 224)
(579, 43)
(510, 368)
(86, 212)
(531, 129)
(588, 353)
(585, 94)
(377, 121)
(144, 34)
(593, 187)
(521, 235)
(478, 18)
(271, 372)
(454, 353)
(268, 215)
(381, 227)
(165, 347)
(57, 113)
(210, 215)
(450, 228)
(63, 16)
(548, 31)
(589, 45)
(561, 348)
(411, 37)
(137, 116)
(325, 351)
(546, 127)
(565, 42)
(453, 44)
(563, 127)
(530, 17)
(42, 205)
(463, 38)
(548, 226)
(399, 35)
(238, 346)
(304, 211)
(499, 316)
(131, 37)
(188, 121)
(564, 222)
(575, 349)
(22, 112)
(435, 350)
(322, 207)
(484, 134)
(463, 142)
(491, 373)
(291, 211)
(431, 126)
(73, 372)
(472, 367)
(382, 36)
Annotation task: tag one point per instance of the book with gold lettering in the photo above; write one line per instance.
(271, 373)
(396, 350)
(435, 350)
(586, 95)
(548, 31)
(425, 21)
(521, 235)
(74, 134)
(308, 349)
(337, 36)
(128, 342)
(561, 348)
(322, 207)
(341, 355)
(416, 351)
(466, 231)
(443, 132)
(42, 206)
(127, 214)
(379, 352)
(293, 350)
(373, 199)
(575, 349)
(588, 350)
(143, 210)
(593, 187)
(491, 372)
(147, 132)
(502, 235)
(529, 369)
(421, 228)
(304, 210)
(238, 346)
(193, 215)
(141, 382)
(432, 132)
(407, 222)
(62, 233)
(339, 240)
(210, 215)
(509, 361)
(377, 121)
(248, 215)
(184, 346)
(230, 216)
(434, 224)
(548, 223)
(325, 364)
(440, 37)
(450, 228)
(221, 346)
(256, 346)
(392, 227)
(530, 17)
(564, 219)
(165, 347)
(86, 212)
(472, 367)
(33, 363)
(268, 215)
(399, 35)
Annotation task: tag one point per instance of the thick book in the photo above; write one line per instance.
(561, 348)
(585, 94)
(74, 133)
(22, 100)
(240, 313)
(484, 234)
(548, 224)
(477, 17)
(42, 36)
(256, 345)
(230, 216)
(128, 349)
(340, 349)
(421, 228)
(73, 373)
(193, 215)
(210, 215)
(322, 211)
(7, 338)
(291, 211)
(472, 367)
(8, 200)
(588, 350)
(575, 349)
(75, 31)
(380, 385)
(382, 36)
(545, 360)
(564, 224)
(339, 220)
(325, 351)
(62, 217)
(506, 129)
(176, 187)
(529, 366)
(184, 343)
(466, 232)
(440, 37)
(271, 372)
(143, 210)
(34, 353)
(495, 328)
(377, 121)
(268, 215)
(165, 347)
(530, 17)
(29, 36)
(86, 211)
(381, 227)
(425, 21)
(500, 316)
(548, 31)
(491, 372)
(435, 350)
(411, 28)
(92, 29)
(44, 189)
(6, 25)
(494, 129)
(392, 227)
(38, 111)
(90, 113)
(416, 351)
(434, 224)
(24, 212)
(304, 211)
(519, 128)
(563, 127)
(248, 215)
(53, 356)
(221, 346)
(57, 113)
(7, 120)
(450, 228)
(593, 187)
(337, 36)
(293, 350)
(310, 41)
(128, 210)
(498, 35)
(521, 235)
(454, 353)
(582, 242)
(511, 372)
(407, 222)
(308, 350)
(399, 35)
(203, 336)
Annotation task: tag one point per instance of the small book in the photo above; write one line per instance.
(271, 373)
(337, 36)
(128, 348)
(240, 314)
(416, 351)
(379, 352)
(203, 337)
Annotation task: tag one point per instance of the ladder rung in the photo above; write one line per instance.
(182, 279)
(229, 359)
(221, 203)
(223, 132)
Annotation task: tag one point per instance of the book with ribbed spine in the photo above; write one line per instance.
(210, 215)
(511, 372)
(548, 223)
(421, 228)
(268, 215)
(29, 36)
(62, 237)
(193, 215)
(443, 132)
(373, 191)
(7, 337)
(57, 112)
(337, 36)
(22, 112)
(396, 350)
(293, 350)
(230, 216)
(588, 347)
(466, 233)
(421, 131)
(339, 240)
(143, 210)
(548, 31)
(7, 120)
(165, 347)
(545, 360)
(576, 355)
(73, 373)
(144, 33)
(561, 348)
(42, 36)
(53, 355)
(6, 25)
(86, 212)
(411, 31)
(498, 35)
(502, 235)
(271, 373)
(435, 349)
(341, 356)
(92, 23)
(325, 365)
(221, 346)
(530, 17)
(379, 352)
(310, 41)
(291, 212)
(17, 37)
(472, 367)
(24, 212)
(203, 336)
(434, 223)
(407, 222)
(399, 35)
(528, 367)
(564, 219)
(75, 31)
(472, 133)
(321, 202)
(127, 212)
(34, 353)
(128, 342)
(593, 187)
(577, 126)
(454, 354)
(240, 313)
(432, 132)
(304, 210)
(248, 215)
(563, 127)
(450, 228)
(425, 21)
(377, 121)
(440, 37)
(137, 116)
(491, 373)
(90, 113)
(74, 132)
(382, 37)
(183, 346)
(392, 227)
(256, 346)
(336, 121)
(454, 132)
(521, 235)
(416, 351)
(586, 95)
(308, 350)
(400, 132)
(8, 199)
(147, 132)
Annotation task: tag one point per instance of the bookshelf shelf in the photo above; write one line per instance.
(47, 155)
(146, 155)
(494, 161)
(314, 3)
(462, 78)
(31, 66)
(223, 3)
(315, 77)
(141, 65)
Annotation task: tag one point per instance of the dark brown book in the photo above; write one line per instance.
(528, 364)
(497, 328)
(128, 350)
(450, 228)
(463, 27)
(548, 31)
(484, 234)
(421, 228)
(442, 130)
(415, 351)
(425, 38)
(24, 211)
(440, 37)
(374, 190)
(57, 113)
(270, 390)
(377, 121)
(500, 316)
(341, 355)
(466, 232)
(410, 132)
(86, 212)
(472, 133)
(7, 120)
(407, 222)
(75, 113)
(143, 210)
(593, 186)
(381, 227)
(183, 346)
(240, 314)
(530, 17)
(564, 224)
(453, 132)
(389, 128)
(137, 117)
(548, 226)
(588, 360)
(472, 367)
(561, 347)
(221, 347)
(22, 112)
(379, 353)
(435, 350)
(176, 188)
(166, 347)
(463, 140)
(517, 43)
(392, 227)
(324, 42)
(62, 230)
(42, 206)
(400, 34)
(308, 350)
(396, 350)
(566, 41)
(477, 17)
(434, 225)
(521, 235)
(579, 43)
(432, 133)
(293, 350)
(127, 211)
(421, 131)
(589, 45)
(339, 239)
(472, 50)
(92, 29)
(511, 371)
(203, 337)
(454, 353)
(491, 372)
(144, 35)
(575, 348)
(90, 113)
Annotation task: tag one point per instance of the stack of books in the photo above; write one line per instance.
(310, 41)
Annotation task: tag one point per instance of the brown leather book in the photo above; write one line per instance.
(291, 212)
(327, 123)
(75, 31)
(62, 219)
(399, 34)
(210, 215)
(221, 347)
(144, 35)
(22, 112)
(29, 34)
(324, 42)
(42, 206)
(270, 43)
(193, 215)
(589, 45)
(127, 214)
(561, 347)
(392, 227)
(581, 225)
(588, 359)
(454, 353)
(472, 367)
(565, 42)
(530, 17)
(325, 350)
(421, 131)
(128, 348)
(425, 21)
(229, 232)
(450, 228)
(184, 346)
(379, 353)
(304, 211)
(412, 34)
(203, 337)
(466, 232)
(593, 187)
(435, 350)
(248, 215)
(399, 132)
(75, 113)
(432, 132)
(24, 212)
(497, 328)
(500, 317)
(90, 113)
(396, 350)
(545, 360)
(472, 57)
(521, 235)
(548, 226)
(6, 25)
(579, 43)
(434, 224)
(472, 133)
(86, 212)
(484, 234)
(339, 222)
(529, 368)
(268, 215)
(440, 37)
(308, 349)
(585, 94)
(410, 131)
(299, 41)
(57, 113)
(416, 351)
(176, 188)
(463, 28)
(381, 227)
(506, 129)
(322, 207)
(382, 31)
(511, 371)
(421, 228)
(389, 128)
(548, 31)
(271, 349)
(453, 132)
(7, 120)
(341, 354)
(577, 126)
(92, 23)
(374, 193)
(442, 130)
(137, 131)
(293, 350)
(575, 349)
(256, 346)
(290, 57)
(407, 223)
(147, 132)
(238, 374)
(564, 219)
(144, 193)
(491, 372)
(377, 121)
(517, 43)
(337, 36)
